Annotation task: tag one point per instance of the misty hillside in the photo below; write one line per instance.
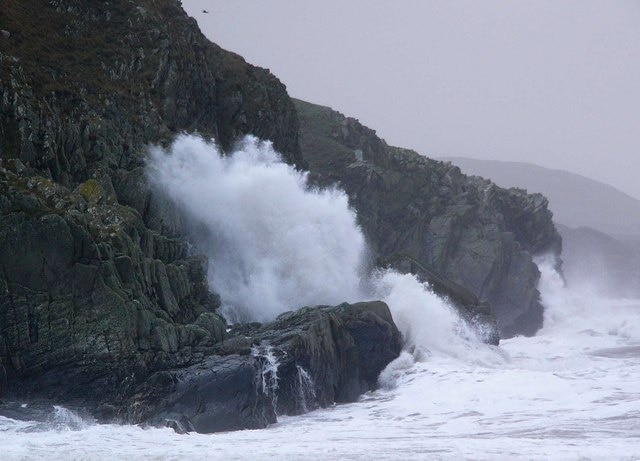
(610, 266)
(575, 200)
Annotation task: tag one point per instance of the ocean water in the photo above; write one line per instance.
(570, 392)
(564, 394)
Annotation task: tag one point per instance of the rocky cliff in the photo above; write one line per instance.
(93, 270)
(425, 216)
(101, 300)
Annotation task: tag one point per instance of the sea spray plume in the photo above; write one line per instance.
(273, 243)
(570, 309)
(422, 316)
(431, 325)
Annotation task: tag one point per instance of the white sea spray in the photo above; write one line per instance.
(571, 392)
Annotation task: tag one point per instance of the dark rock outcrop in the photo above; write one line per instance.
(424, 216)
(89, 294)
(304, 359)
(220, 394)
(97, 289)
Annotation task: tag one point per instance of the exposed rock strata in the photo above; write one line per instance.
(424, 216)
(97, 289)
(308, 358)
(89, 295)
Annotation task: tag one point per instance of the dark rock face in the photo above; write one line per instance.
(221, 394)
(88, 288)
(304, 359)
(424, 216)
(85, 84)
(97, 289)
(343, 349)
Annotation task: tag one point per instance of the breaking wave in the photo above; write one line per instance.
(276, 244)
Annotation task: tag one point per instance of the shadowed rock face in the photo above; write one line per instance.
(220, 394)
(97, 289)
(424, 216)
(342, 348)
(304, 359)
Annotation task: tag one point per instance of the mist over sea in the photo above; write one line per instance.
(275, 243)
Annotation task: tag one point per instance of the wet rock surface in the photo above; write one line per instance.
(312, 357)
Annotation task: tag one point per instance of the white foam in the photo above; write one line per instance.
(429, 323)
(274, 243)
(572, 392)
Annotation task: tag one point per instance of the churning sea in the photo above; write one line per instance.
(570, 392)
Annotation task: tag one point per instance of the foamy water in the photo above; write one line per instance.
(561, 395)
(571, 392)
(274, 243)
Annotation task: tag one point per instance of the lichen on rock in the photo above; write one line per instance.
(91, 191)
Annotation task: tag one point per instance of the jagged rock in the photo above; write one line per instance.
(80, 293)
(304, 359)
(425, 217)
(96, 283)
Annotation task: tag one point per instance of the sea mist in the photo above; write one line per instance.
(276, 244)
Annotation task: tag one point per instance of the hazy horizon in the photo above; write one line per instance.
(550, 83)
(523, 162)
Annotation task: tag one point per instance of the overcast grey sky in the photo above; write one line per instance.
(556, 83)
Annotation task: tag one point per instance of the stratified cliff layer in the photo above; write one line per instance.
(424, 216)
(96, 286)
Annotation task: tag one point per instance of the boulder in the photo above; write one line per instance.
(312, 357)
(338, 351)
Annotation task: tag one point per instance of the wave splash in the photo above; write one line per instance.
(583, 310)
(570, 392)
(275, 243)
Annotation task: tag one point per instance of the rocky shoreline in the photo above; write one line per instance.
(305, 359)
(102, 304)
